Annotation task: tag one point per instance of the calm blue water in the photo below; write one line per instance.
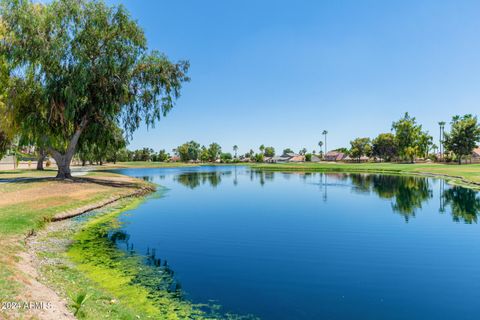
(314, 246)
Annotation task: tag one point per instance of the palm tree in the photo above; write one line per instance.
(442, 129)
(262, 148)
(320, 145)
(325, 132)
(235, 148)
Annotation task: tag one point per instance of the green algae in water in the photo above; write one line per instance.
(143, 284)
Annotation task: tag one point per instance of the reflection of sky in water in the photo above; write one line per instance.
(312, 246)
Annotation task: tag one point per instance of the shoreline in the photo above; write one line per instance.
(36, 255)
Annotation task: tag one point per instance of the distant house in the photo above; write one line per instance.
(334, 156)
(315, 158)
(476, 154)
(174, 159)
(287, 157)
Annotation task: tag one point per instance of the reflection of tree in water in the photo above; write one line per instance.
(465, 203)
(407, 193)
(362, 183)
(194, 179)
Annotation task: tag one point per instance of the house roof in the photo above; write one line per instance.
(335, 155)
(476, 152)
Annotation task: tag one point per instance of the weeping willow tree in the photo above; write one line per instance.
(6, 123)
(101, 144)
(81, 64)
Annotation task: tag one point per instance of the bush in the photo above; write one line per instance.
(259, 157)
(308, 157)
(48, 164)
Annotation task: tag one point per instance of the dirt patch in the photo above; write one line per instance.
(22, 256)
(50, 306)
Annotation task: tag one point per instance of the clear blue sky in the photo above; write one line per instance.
(279, 72)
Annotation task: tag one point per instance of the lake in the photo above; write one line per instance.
(312, 245)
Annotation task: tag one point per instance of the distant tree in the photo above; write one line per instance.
(383, 146)
(259, 157)
(360, 147)
(425, 141)
(269, 152)
(463, 137)
(214, 151)
(204, 155)
(320, 145)
(407, 134)
(235, 149)
(262, 148)
(303, 151)
(225, 156)
(123, 155)
(189, 151)
(308, 157)
(288, 150)
(162, 156)
(100, 143)
(325, 133)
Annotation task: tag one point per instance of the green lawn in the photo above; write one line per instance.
(25, 205)
(469, 173)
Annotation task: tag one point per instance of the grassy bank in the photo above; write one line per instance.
(462, 174)
(26, 206)
(118, 285)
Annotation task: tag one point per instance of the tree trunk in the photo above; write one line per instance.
(63, 164)
(41, 157)
(64, 160)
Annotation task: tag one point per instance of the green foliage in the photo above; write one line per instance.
(383, 146)
(308, 157)
(80, 64)
(410, 140)
(214, 151)
(463, 137)
(288, 150)
(78, 301)
(189, 151)
(123, 275)
(226, 156)
(162, 156)
(259, 157)
(204, 154)
(360, 147)
(101, 143)
(269, 152)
